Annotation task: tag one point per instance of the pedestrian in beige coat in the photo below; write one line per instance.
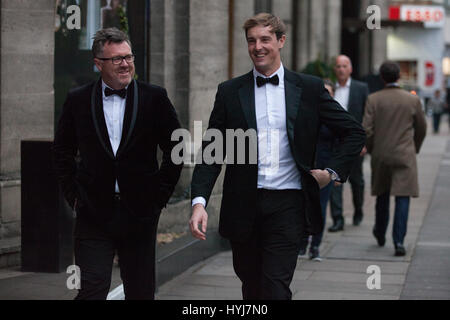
(395, 127)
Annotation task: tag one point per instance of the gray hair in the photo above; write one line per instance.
(106, 36)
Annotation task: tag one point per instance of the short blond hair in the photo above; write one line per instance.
(266, 19)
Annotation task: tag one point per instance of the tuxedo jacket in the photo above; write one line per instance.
(145, 187)
(308, 105)
(358, 94)
(357, 99)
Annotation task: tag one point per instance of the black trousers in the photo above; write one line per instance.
(356, 180)
(134, 242)
(266, 262)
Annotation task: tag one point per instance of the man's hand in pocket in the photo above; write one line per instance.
(323, 177)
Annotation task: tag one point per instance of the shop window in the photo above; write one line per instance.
(408, 75)
(74, 65)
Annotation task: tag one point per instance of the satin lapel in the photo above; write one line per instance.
(98, 118)
(247, 99)
(129, 119)
(293, 95)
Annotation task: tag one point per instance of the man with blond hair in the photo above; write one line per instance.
(264, 212)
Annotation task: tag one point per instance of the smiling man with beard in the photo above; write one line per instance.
(117, 189)
(265, 212)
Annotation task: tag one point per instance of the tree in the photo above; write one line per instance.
(320, 69)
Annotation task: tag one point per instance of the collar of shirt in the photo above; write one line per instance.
(104, 85)
(392, 85)
(279, 72)
(347, 84)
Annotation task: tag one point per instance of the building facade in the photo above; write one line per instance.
(186, 46)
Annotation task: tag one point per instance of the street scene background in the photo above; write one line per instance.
(189, 47)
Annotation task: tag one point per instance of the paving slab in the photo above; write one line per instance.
(354, 266)
(324, 295)
(350, 287)
(214, 281)
(353, 277)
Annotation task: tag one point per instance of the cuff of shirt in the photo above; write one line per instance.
(337, 176)
(199, 200)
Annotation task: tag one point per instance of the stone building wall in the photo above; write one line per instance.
(26, 94)
(189, 54)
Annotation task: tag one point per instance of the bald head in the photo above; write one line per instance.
(343, 68)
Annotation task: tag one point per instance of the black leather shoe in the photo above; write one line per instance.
(380, 239)
(303, 246)
(337, 226)
(400, 250)
(357, 220)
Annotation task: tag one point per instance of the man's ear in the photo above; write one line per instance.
(98, 64)
(281, 41)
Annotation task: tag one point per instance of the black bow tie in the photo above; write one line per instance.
(260, 81)
(121, 93)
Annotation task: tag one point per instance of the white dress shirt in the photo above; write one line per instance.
(114, 111)
(276, 165)
(342, 93)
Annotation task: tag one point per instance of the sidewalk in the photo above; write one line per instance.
(423, 273)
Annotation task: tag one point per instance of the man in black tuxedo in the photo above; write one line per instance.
(116, 188)
(268, 204)
(351, 95)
